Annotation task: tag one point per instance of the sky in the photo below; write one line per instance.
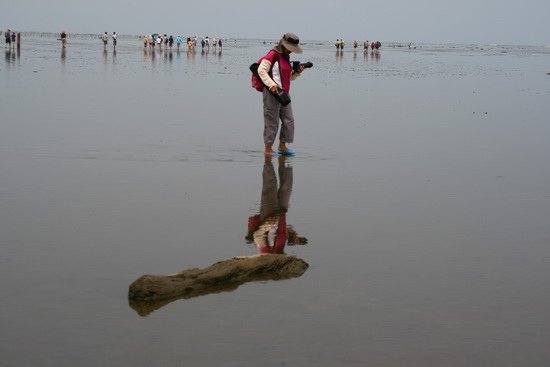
(421, 21)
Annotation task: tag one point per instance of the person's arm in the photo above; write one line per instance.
(263, 72)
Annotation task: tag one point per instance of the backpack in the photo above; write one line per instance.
(256, 81)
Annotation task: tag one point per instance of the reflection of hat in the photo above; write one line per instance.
(291, 41)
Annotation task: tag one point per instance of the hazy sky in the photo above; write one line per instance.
(464, 21)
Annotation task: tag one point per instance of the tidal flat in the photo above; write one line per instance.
(421, 182)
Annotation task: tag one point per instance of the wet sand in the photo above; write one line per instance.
(421, 182)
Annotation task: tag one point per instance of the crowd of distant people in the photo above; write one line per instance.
(159, 41)
(374, 45)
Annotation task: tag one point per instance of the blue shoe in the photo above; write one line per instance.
(289, 152)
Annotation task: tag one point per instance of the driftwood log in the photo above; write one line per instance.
(151, 292)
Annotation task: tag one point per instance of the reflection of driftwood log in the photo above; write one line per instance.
(151, 292)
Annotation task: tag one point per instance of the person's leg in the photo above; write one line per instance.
(271, 120)
(268, 202)
(287, 128)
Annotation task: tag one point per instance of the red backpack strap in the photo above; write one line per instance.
(275, 58)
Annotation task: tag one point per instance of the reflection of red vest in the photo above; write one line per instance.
(280, 236)
(253, 223)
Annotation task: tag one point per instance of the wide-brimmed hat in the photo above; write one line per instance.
(291, 42)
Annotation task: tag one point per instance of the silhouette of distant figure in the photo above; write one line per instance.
(269, 230)
(12, 38)
(63, 38)
(7, 35)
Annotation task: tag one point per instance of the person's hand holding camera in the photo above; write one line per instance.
(298, 67)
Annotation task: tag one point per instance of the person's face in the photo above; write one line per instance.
(286, 51)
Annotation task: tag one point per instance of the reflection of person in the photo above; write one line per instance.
(268, 229)
(276, 72)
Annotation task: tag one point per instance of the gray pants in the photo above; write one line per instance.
(273, 111)
(275, 199)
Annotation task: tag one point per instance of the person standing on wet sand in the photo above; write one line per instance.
(276, 72)
(63, 38)
(159, 41)
(105, 39)
(7, 34)
(114, 36)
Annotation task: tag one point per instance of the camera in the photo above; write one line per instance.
(296, 65)
(282, 97)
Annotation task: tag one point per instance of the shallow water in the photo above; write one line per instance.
(421, 182)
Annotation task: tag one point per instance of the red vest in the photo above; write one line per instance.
(284, 67)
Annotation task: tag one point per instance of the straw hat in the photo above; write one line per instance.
(291, 42)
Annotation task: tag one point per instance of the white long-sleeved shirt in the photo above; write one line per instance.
(263, 72)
